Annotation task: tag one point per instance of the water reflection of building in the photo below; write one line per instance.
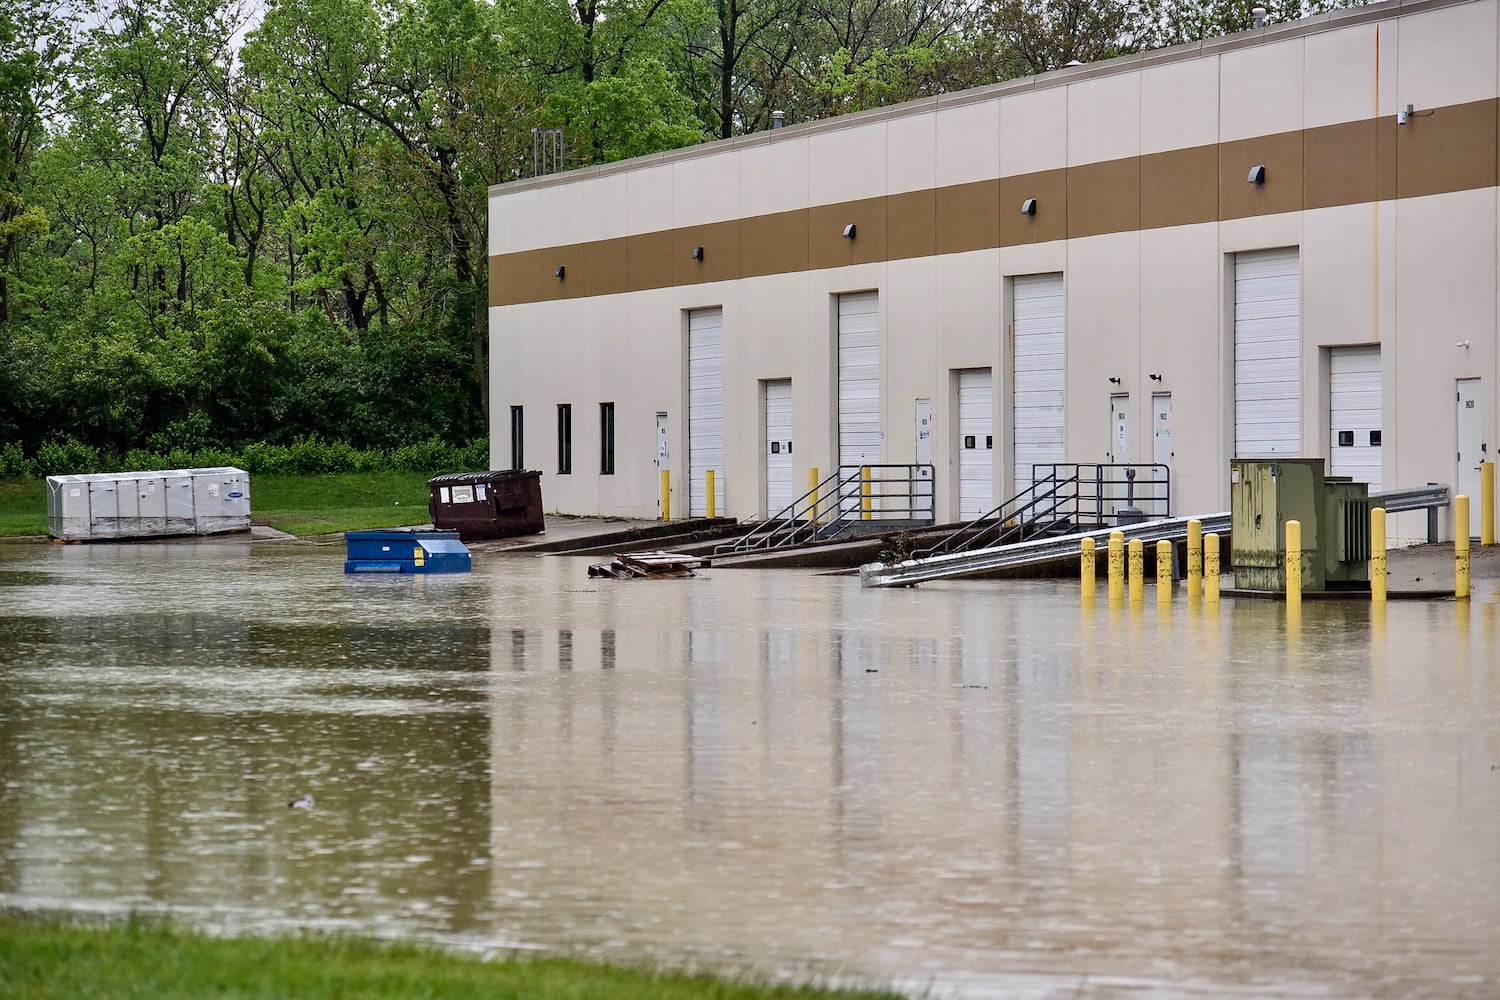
(971, 776)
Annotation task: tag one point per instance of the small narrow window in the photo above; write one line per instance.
(606, 439)
(1346, 439)
(564, 438)
(1374, 439)
(517, 438)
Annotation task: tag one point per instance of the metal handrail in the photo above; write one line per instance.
(1057, 496)
(827, 509)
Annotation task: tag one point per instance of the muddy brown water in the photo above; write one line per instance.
(969, 788)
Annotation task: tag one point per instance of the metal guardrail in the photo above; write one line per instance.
(1432, 498)
(855, 494)
(1052, 549)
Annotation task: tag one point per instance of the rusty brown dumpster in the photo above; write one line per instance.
(487, 504)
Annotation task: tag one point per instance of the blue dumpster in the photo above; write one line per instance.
(405, 550)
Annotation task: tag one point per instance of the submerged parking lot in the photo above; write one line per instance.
(979, 788)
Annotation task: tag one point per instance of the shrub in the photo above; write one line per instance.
(142, 460)
(425, 456)
(67, 458)
(370, 460)
(14, 464)
(263, 458)
(475, 456)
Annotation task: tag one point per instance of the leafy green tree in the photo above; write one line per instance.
(735, 57)
(36, 44)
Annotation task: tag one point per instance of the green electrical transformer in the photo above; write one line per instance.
(1334, 511)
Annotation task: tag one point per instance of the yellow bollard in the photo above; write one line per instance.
(812, 490)
(1294, 565)
(1116, 565)
(1377, 555)
(1211, 567)
(1137, 570)
(708, 491)
(1163, 572)
(1195, 559)
(1486, 503)
(1461, 547)
(666, 494)
(866, 505)
(1086, 569)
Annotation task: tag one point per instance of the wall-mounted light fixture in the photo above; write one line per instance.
(849, 231)
(1154, 377)
(1114, 380)
(561, 272)
(1407, 113)
(1028, 207)
(697, 253)
(1257, 174)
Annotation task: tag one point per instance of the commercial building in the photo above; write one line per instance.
(1282, 242)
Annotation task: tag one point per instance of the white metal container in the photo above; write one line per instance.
(146, 504)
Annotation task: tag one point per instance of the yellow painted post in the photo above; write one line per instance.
(1195, 559)
(1377, 555)
(1211, 567)
(1116, 565)
(1486, 503)
(866, 504)
(1137, 570)
(812, 488)
(1163, 572)
(666, 494)
(708, 491)
(1086, 569)
(1294, 565)
(1461, 547)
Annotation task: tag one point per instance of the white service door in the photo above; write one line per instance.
(859, 379)
(1119, 429)
(1267, 353)
(1038, 369)
(924, 432)
(1161, 436)
(1471, 450)
(1354, 414)
(976, 443)
(705, 409)
(924, 457)
(778, 446)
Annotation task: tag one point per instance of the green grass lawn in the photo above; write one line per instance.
(300, 505)
(48, 961)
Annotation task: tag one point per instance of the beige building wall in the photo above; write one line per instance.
(1139, 170)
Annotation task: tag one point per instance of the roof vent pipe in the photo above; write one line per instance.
(1257, 17)
(778, 119)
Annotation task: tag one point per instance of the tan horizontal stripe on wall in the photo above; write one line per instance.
(1438, 151)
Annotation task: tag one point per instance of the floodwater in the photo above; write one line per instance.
(971, 788)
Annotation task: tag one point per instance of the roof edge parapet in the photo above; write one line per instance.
(1384, 10)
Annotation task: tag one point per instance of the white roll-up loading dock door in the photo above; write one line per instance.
(859, 379)
(1039, 367)
(976, 443)
(705, 409)
(1354, 413)
(1267, 353)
